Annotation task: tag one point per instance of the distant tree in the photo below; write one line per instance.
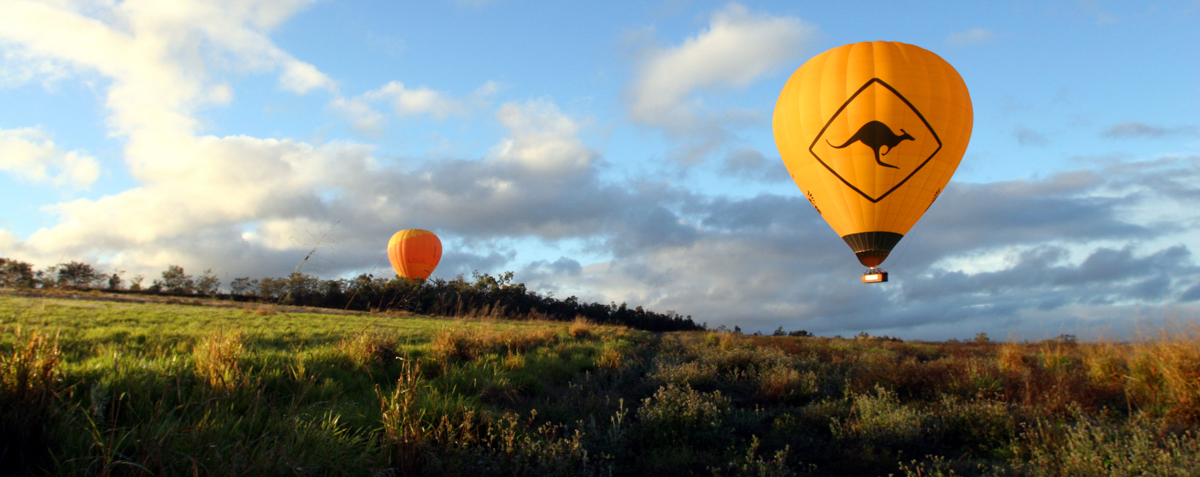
(271, 288)
(114, 281)
(46, 278)
(1065, 339)
(243, 286)
(76, 274)
(135, 283)
(982, 338)
(801, 333)
(174, 280)
(16, 274)
(208, 284)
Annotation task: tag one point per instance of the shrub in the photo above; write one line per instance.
(752, 465)
(1090, 447)
(880, 419)
(982, 426)
(786, 384)
(676, 414)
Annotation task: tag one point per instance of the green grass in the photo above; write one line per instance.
(108, 388)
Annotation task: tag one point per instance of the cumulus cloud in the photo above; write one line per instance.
(1022, 258)
(415, 101)
(30, 154)
(1134, 129)
(360, 114)
(406, 101)
(154, 52)
(974, 36)
(738, 48)
(992, 257)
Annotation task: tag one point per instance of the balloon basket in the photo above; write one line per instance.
(874, 275)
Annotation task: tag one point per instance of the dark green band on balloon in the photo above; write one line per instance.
(872, 248)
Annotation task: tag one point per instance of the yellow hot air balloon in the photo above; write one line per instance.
(414, 253)
(871, 132)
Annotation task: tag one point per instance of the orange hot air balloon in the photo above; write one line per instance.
(414, 253)
(871, 132)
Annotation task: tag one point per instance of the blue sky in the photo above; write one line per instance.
(618, 151)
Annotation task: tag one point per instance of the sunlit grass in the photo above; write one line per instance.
(157, 389)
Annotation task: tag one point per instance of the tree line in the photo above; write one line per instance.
(484, 295)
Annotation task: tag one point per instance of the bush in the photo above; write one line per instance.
(880, 419)
(1090, 447)
(678, 414)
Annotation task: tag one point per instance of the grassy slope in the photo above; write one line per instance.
(159, 389)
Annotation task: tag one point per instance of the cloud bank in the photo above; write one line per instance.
(1028, 257)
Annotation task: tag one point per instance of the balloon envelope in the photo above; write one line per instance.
(871, 132)
(414, 253)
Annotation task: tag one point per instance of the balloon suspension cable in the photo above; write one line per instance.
(874, 275)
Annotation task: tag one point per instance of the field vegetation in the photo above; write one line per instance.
(115, 388)
(483, 295)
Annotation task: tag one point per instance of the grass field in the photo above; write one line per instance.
(113, 388)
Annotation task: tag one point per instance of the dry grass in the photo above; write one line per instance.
(467, 344)
(369, 348)
(581, 329)
(29, 384)
(610, 358)
(29, 373)
(258, 310)
(404, 432)
(1164, 373)
(218, 360)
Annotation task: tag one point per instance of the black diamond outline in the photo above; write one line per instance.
(839, 111)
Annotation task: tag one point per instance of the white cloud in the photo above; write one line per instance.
(248, 206)
(359, 113)
(1020, 258)
(408, 102)
(31, 154)
(543, 139)
(974, 36)
(301, 77)
(738, 48)
(422, 100)
(155, 52)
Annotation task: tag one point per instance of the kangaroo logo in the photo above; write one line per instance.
(876, 135)
(878, 105)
